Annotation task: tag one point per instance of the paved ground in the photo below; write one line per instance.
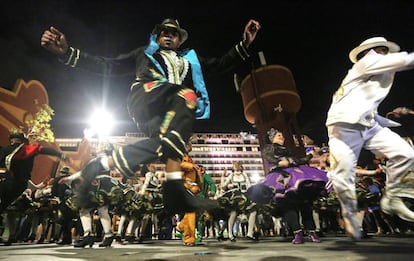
(274, 248)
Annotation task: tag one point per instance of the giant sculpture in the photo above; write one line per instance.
(19, 105)
(270, 99)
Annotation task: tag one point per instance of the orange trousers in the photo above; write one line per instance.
(188, 227)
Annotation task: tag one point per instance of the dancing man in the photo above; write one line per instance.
(353, 123)
(167, 95)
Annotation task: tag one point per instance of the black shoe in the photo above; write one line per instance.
(40, 241)
(177, 199)
(320, 234)
(130, 239)
(107, 242)
(30, 239)
(252, 239)
(118, 238)
(365, 235)
(141, 239)
(86, 241)
(10, 241)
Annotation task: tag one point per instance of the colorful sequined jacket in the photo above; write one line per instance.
(151, 72)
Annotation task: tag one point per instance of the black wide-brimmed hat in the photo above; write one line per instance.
(171, 24)
(17, 135)
(65, 169)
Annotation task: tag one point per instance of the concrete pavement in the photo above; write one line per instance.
(273, 248)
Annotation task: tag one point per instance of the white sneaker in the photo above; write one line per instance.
(352, 227)
(349, 214)
(395, 205)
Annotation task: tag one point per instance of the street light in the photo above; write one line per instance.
(101, 123)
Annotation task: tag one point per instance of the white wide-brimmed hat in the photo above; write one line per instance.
(371, 43)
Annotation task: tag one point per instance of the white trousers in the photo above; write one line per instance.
(345, 144)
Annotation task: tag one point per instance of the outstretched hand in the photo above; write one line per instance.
(250, 31)
(54, 41)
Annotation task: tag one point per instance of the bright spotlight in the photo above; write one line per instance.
(101, 123)
(88, 133)
(255, 178)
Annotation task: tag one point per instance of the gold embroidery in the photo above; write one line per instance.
(167, 120)
(406, 179)
(339, 93)
(332, 162)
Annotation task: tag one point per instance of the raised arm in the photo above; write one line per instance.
(250, 31)
(54, 41)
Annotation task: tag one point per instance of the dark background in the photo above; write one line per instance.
(311, 38)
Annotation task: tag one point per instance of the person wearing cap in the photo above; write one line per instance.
(166, 96)
(353, 123)
(16, 164)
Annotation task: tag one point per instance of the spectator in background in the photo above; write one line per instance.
(151, 193)
(66, 214)
(16, 164)
(204, 218)
(236, 185)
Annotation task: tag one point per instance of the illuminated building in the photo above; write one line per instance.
(215, 151)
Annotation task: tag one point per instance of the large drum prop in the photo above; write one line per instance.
(267, 91)
(270, 100)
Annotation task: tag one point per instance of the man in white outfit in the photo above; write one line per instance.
(353, 123)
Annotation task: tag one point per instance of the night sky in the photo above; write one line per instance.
(311, 38)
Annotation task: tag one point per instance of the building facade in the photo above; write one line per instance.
(214, 151)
